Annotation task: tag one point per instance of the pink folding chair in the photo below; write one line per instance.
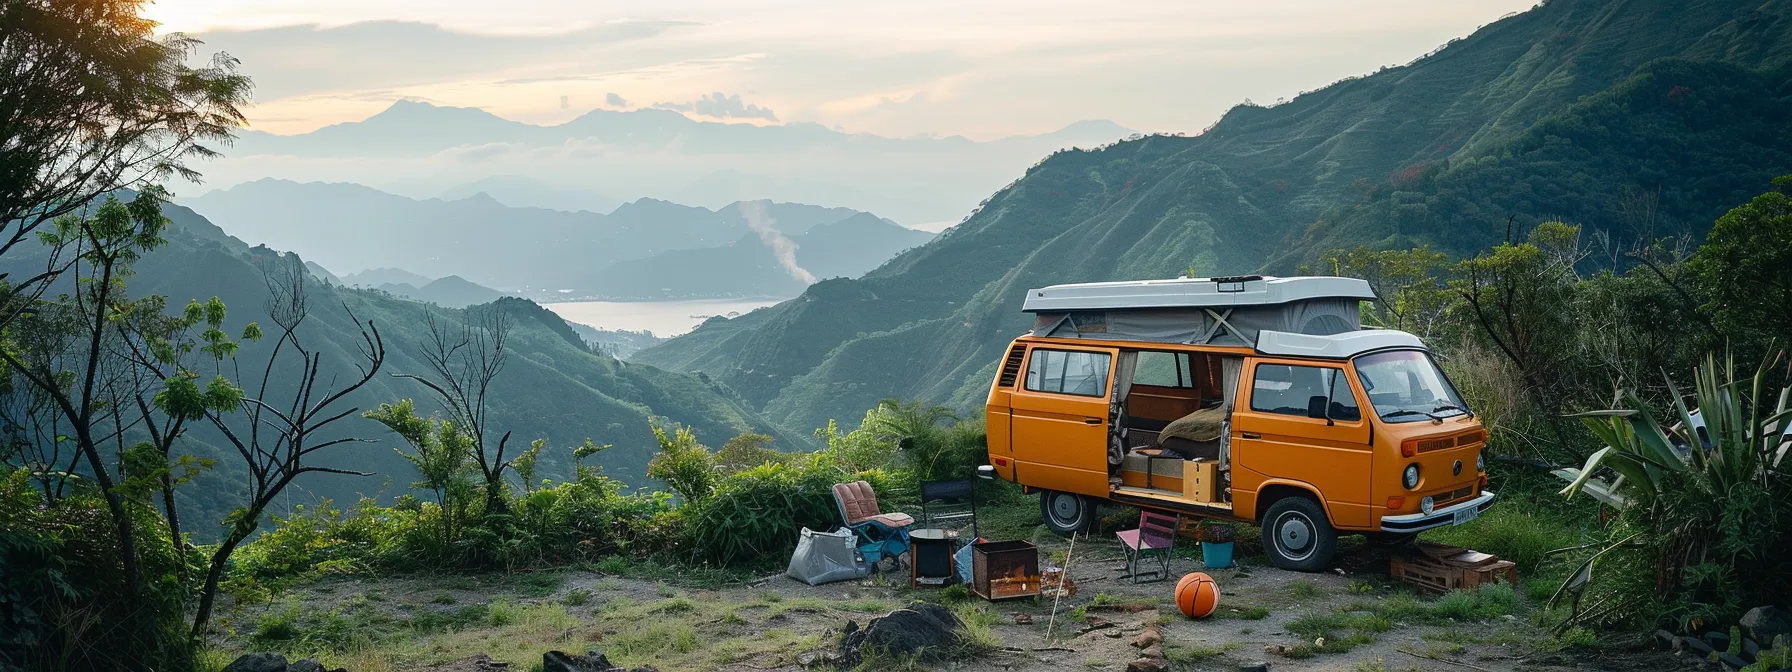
(1155, 539)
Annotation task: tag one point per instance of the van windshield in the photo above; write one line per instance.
(1405, 385)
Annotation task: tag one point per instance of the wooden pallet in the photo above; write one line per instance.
(1440, 569)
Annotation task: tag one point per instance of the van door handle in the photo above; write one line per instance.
(1091, 421)
(1249, 435)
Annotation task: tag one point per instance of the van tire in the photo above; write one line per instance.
(1297, 535)
(1066, 513)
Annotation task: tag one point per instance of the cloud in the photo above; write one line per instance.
(721, 106)
(307, 59)
(614, 100)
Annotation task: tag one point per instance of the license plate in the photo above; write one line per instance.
(1467, 513)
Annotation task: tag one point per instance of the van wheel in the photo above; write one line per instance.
(1297, 535)
(1066, 513)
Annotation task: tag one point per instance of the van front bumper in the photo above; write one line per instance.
(1416, 522)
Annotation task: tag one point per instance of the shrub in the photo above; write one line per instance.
(759, 512)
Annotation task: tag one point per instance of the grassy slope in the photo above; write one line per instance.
(1245, 194)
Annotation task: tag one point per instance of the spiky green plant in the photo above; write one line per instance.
(1705, 505)
(1744, 439)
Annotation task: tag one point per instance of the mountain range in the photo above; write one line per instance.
(554, 253)
(453, 152)
(1568, 110)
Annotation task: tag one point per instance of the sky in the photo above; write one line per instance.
(984, 69)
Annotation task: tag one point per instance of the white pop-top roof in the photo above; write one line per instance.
(1193, 293)
(1336, 346)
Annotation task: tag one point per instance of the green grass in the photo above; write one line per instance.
(1492, 601)
(576, 597)
(1194, 654)
(1522, 536)
(1241, 612)
(538, 584)
(1302, 589)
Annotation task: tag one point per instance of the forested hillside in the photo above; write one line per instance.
(552, 385)
(1559, 111)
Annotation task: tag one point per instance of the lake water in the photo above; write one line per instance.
(663, 318)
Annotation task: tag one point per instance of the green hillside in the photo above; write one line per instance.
(1556, 111)
(553, 387)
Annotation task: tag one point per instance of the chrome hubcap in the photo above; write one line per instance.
(1066, 507)
(1294, 533)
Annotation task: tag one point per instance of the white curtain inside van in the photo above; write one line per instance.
(1123, 375)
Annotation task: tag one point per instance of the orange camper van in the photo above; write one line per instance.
(1251, 398)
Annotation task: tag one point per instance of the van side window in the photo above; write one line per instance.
(1289, 390)
(1069, 372)
(1163, 369)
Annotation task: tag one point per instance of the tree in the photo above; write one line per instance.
(1745, 266)
(93, 102)
(440, 452)
(285, 421)
(463, 362)
(1521, 297)
(68, 351)
(1409, 288)
(685, 465)
(168, 352)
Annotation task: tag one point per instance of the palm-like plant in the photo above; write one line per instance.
(1682, 483)
(1731, 439)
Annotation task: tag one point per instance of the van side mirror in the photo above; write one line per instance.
(1316, 407)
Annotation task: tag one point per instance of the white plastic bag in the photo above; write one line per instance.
(826, 557)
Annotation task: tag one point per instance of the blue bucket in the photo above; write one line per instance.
(1216, 556)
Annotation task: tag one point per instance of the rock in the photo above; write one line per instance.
(1155, 652)
(1149, 638)
(1762, 624)
(919, 629)
(1277, 649)
(1750, 649)
(1696, 645)
(1664, 640)
(1732, 662)
(306, 665)
(257, 662)
(561, 661)
(1254, 667)
(1023, 619)
(1112, 634)
(1718, 640)
(1147, 665)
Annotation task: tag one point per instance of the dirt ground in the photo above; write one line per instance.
(777, 623)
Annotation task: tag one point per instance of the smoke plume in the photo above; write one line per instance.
(761, 223)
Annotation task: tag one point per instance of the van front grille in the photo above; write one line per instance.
(1453, 496)
(1011, 367)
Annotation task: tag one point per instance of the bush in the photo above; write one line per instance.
(759, 512)
(63, 598)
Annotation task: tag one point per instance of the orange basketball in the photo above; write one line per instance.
(1197, 595)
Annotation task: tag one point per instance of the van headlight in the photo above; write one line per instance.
(1427, 505)
(1480, 462)
(1410, 477)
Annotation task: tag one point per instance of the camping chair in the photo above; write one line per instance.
(1155, 538)
(949, 502)
(880, 534)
